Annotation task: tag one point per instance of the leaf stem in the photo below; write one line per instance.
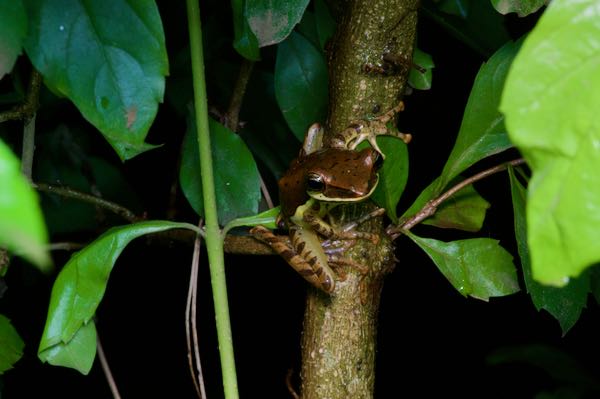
(106, 369)
(92, 199)
(431, 207)
(214, 241)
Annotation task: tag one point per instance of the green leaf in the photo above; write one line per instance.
(482, 132)
(551, 103)
(308, 28)
(478, 267)
(325, 23)
(595, 282)
(78, 353)
(473, 22)
(301, 83)
(465, 210)
(417, 78)
(521, 7)
(267, 219)
(13, 29)
(237, 182)
(78, 290)
(22, 229)
(11, 345)
(273, 20)
(392, 176)
(566, 303)
(108, 57)
(244, 42)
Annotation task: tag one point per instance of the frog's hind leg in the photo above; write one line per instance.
(299, 257)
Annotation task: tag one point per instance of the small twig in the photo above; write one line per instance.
(265, 192)
(289, 385)
(190, 321)
(65, 246)
(106, 369)
(232, 116)
(78, 195)
(26, 109)
(431, 207)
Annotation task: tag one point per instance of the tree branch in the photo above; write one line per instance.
(26, 109)
(431, 207)
(100, 202)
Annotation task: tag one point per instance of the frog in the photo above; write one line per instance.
(323, 176)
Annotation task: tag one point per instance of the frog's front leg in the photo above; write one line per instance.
(306, 255)
(361, 130)
(316, 222)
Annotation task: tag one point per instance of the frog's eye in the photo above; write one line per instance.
(315, 183)
(378, 161)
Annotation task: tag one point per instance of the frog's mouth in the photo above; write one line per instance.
(345, 195)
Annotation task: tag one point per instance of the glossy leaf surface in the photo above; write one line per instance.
(245, 41)
(273, 20)
(521, 7)
(11, 345)
(393, 175)
(301, 83)
(565, 303)
(482, 132)
(237, 183)
(478, 267)
(22, 229)
(551, 103)
(108, 57)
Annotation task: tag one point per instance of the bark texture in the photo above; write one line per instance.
(338, 342)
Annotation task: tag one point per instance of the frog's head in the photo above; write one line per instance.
(338, 175)
(330, 175)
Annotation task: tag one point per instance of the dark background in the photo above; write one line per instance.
(431, 340)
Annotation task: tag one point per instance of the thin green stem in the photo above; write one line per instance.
(214, 241)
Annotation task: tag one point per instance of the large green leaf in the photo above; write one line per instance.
(22, 229)
(521, 7)
(551, 103)
(478, 267)
(108, 57)
(301, 83)
(565, 303)
(11, 345)
(273, 20)
(68, 339)
(482, 132)
(13, 29)
(392, 176)
(324, 22)
(237, 182)
(245, 42)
